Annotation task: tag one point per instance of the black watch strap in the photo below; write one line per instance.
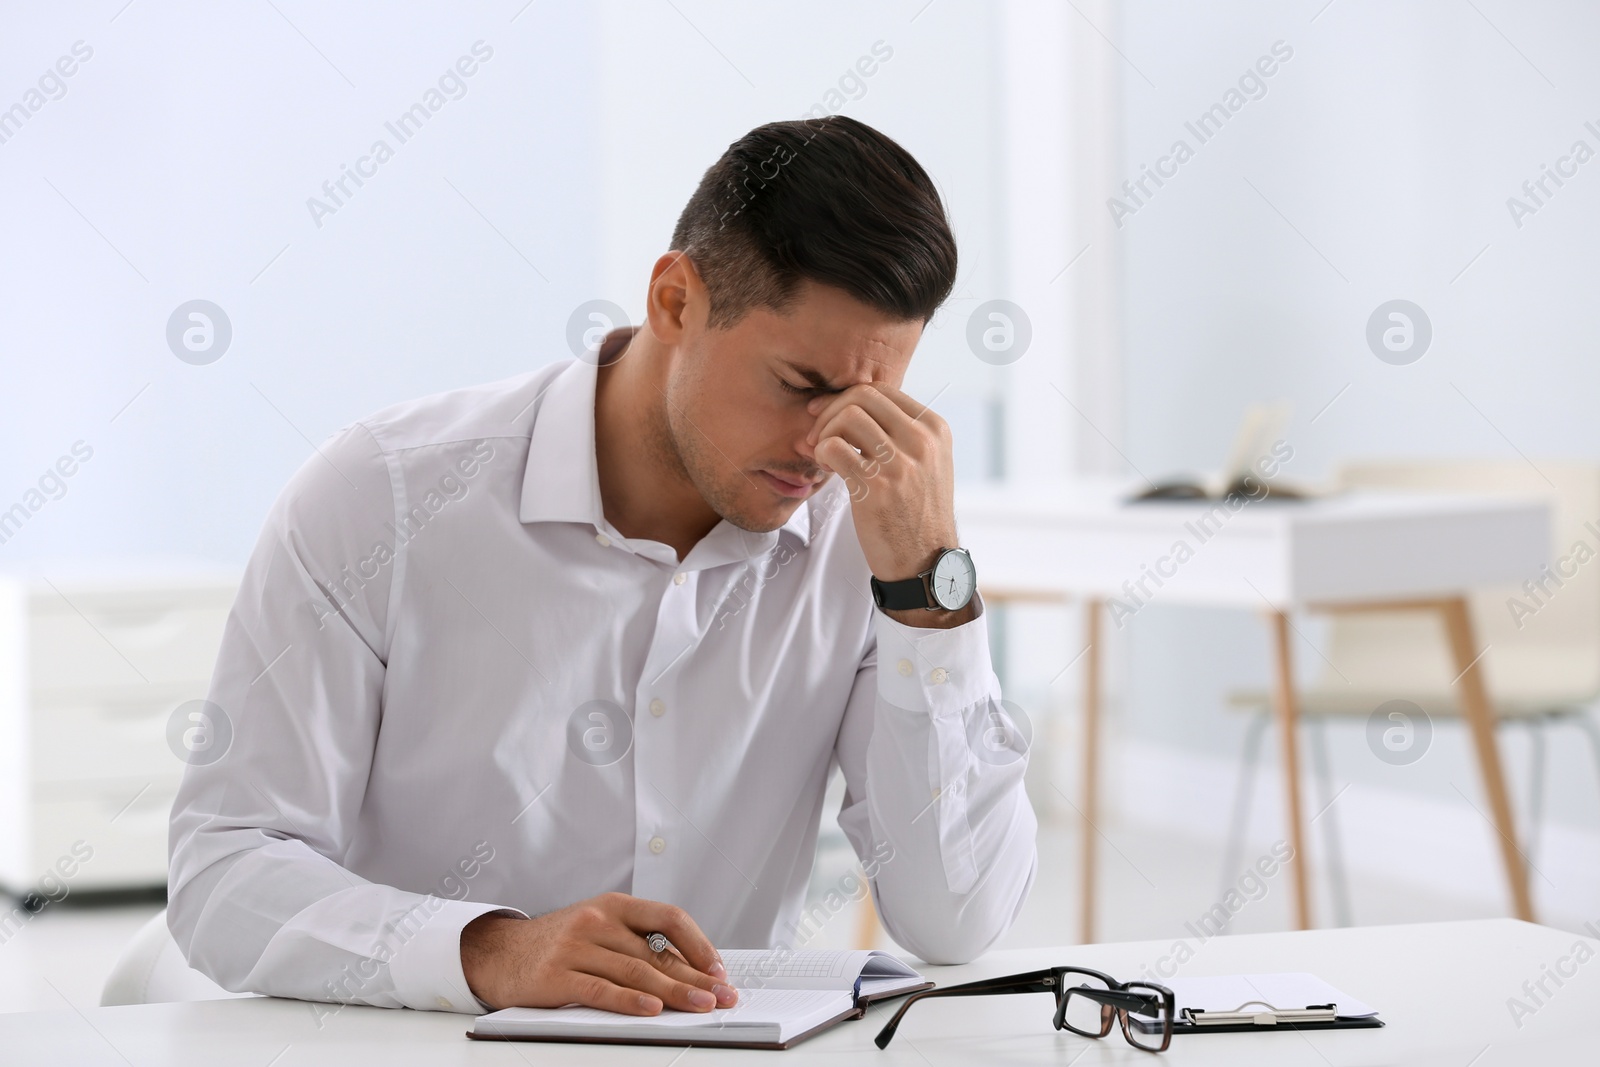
(904, 595)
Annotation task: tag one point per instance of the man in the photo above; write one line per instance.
(520, 674)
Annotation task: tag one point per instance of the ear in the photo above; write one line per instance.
(677, 300)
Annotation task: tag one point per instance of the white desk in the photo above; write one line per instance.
(1441, 988)
(1414, 552)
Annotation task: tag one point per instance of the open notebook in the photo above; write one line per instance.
(784, 998)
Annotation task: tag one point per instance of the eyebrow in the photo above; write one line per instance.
(816, 379)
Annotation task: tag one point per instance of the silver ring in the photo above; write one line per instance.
(658, 942)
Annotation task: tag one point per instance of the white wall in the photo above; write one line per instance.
(179, 162)
(190, 143)
(1387, 147)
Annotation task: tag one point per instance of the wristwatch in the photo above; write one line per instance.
(946, 586)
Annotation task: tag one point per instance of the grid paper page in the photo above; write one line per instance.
(761, 965)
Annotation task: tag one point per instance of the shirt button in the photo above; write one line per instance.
(605, 542)
(445, 1004)
(938, 676)
(679, 578)
(904, 667)
(658, 845)
(658, 709)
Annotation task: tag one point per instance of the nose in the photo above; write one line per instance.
(799, 429)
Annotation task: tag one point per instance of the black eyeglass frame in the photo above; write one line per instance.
(1116, 1000)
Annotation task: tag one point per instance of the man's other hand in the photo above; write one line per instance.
(594, 953)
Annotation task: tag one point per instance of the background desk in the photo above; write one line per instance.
(1441, 987)
(1373, 550)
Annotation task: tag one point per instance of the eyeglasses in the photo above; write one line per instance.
(1087, 1003)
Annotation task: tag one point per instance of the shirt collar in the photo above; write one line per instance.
(561, 482)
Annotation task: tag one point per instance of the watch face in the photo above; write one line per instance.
(953, 580)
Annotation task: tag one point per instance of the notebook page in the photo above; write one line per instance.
(881, 964)
(804, 969)
(761, 1014)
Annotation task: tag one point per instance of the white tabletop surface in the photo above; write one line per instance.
(1084, 537)
(1442, 989)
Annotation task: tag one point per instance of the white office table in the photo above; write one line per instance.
(1362, 551)
(1441, 988)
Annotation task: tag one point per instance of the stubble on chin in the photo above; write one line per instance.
(683, 453)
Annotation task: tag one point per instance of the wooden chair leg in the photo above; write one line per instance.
(1091, 766)
(1284, 703)
(867, 923)
(1480, 720)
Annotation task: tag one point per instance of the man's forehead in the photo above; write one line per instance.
(847, 360)
(850, 352)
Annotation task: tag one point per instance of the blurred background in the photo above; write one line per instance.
(160, 158)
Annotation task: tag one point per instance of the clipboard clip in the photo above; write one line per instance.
(1264, 1015)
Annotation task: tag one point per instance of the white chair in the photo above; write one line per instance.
(151, 970)
(1541, 669)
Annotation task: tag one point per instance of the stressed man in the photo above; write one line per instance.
(522, 673)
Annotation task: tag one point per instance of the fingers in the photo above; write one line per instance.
(880, 422)
(593, 991)
(860, 430)
(835, 454)
(676, 968)
(649, 987)
(594, 952)
(671, 964)
(891, 409)
(645, 916)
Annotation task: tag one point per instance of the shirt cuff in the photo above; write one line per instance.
(426, 969)
(940, 671)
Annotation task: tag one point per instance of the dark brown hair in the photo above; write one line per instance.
(831, 200)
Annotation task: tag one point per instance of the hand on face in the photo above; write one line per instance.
(894, 455)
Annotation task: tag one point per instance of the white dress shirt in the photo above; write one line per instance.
(453, 687)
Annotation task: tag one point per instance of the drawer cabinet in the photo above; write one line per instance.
(123, 822)
(123, 641)
(91, 670)
(86, 737)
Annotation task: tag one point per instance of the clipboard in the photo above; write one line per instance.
(1261, 1003)
(1263, 1018)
